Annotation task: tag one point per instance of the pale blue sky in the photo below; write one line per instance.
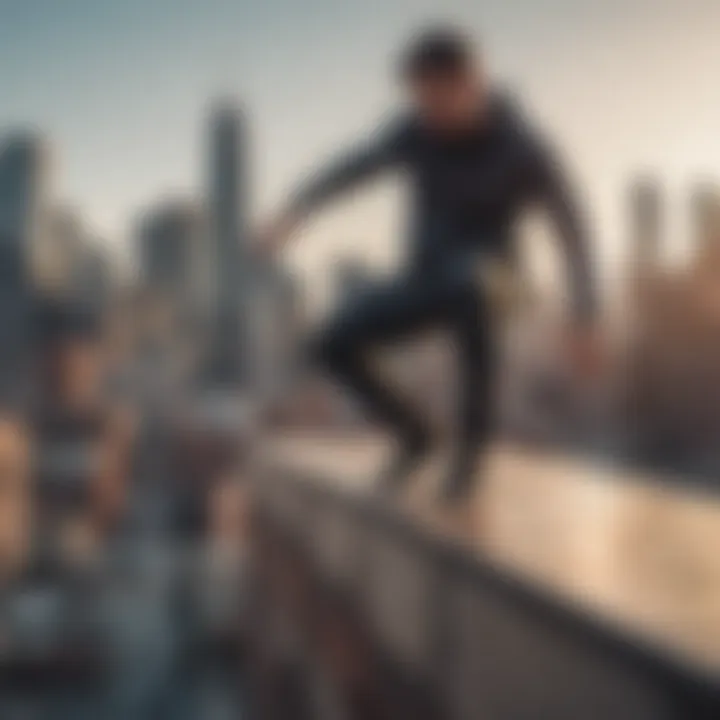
(122, 87)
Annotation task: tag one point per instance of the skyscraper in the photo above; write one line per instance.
(273, 328)
(227, 209)
(59, 249)
(169, 239)
(92, 276)
(23, 195)
(23, 189)
(646, 207)
(705, 214)
(71, 263)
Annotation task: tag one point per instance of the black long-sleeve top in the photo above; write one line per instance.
(468, 190)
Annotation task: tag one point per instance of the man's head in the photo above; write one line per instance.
(444, 78)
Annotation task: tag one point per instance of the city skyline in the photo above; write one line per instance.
(123, 92)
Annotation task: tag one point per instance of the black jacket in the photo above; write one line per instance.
(468, 191)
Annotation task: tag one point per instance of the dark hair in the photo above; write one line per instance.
(440, 50)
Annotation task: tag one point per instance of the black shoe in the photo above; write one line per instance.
(412, 450)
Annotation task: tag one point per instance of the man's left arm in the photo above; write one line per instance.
(557, 195)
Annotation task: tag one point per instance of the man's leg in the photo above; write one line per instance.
(384, 315)
(473, 331)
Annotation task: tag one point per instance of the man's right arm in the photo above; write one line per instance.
(382, 152)
(360, 164)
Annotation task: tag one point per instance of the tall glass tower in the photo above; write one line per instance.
(23, 196)
(227, 211)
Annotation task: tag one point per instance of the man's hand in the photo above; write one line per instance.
(271, 236)
(585, 351)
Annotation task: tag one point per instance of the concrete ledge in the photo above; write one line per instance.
(491, 645)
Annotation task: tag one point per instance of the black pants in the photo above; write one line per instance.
(449, 300)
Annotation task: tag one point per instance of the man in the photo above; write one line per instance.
(474, 165)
